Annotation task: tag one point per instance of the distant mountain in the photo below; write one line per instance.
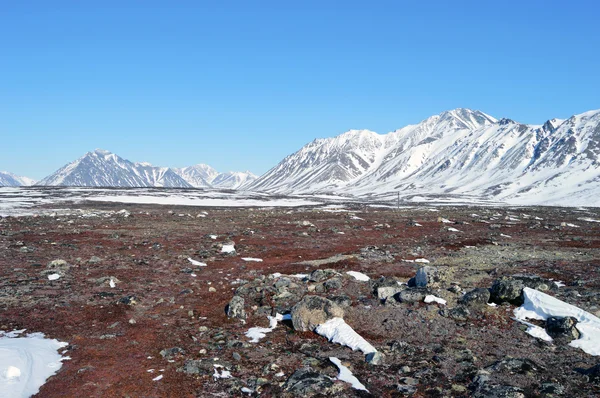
(233, 180)
(456, 152)
(11, 180)
(101, 168)
(199, 176)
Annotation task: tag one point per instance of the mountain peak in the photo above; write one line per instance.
(469, 117)
(103, 152)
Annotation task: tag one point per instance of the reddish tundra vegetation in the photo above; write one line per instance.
(171, 317)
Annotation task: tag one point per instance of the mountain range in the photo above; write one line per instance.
(459, 153)
(11, 180)
(101, 168)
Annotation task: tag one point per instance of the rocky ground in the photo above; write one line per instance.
(187, 322)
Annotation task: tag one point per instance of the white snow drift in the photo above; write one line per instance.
(26, 362)
(541, 306)
(338, 331)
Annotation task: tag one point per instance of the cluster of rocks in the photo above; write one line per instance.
(325, 294)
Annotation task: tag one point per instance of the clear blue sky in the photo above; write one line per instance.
(240, 85)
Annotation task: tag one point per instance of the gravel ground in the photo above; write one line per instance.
(168, 314)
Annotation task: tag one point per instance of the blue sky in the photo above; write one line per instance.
(240, 85)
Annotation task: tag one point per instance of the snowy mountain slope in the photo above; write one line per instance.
(101, 168)
(199, 176)
(233, 180)
(11, 180)
(457, 152)
(324, 164)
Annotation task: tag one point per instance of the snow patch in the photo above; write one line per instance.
(26, 362)
(347, 376)
(258, 260)
(197, 263)
(541, 306)
(228, 249)
(255, 334)
(338, 331)
(358, 276)
(433, 299)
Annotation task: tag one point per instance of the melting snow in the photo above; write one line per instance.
(338, 331)
(112, 283)
(198, 263)
(347, 376)
(358, 275)
(225, 374)
(588, 219)
(258, 260)
(421, 260)
(257, 333)
(433, 299)
(26, 362)
(157, 378)
(53, 277)
(453, 229)
(539, 305)
(228, 249)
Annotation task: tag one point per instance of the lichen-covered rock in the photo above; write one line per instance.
(498, 391)
(510, 289)
(308, 383)
(476, 297)
(429, 276)
(235, 308)
(507, 290)
(385, 292)
(412, 295)
(562, 328)
(312, 311)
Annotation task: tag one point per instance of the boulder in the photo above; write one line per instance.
(385, 292)
(312, 311)
(429, 276)
(562, 328)
(412, 295)
(475, 298)
(308, 383)
(235, 308)
(507, 290)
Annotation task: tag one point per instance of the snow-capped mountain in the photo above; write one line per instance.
(101, 168)
(233, 180)
(456, 152)
(11, 180)
(198, 176)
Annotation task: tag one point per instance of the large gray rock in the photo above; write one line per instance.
(385, 292)
(308, 383)
(475, 298)
(312, 311)
(510, 289)
(429, 276)
(235, 309)
(498, 391)
(562, 328)
(507, 290)
(412, 295)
